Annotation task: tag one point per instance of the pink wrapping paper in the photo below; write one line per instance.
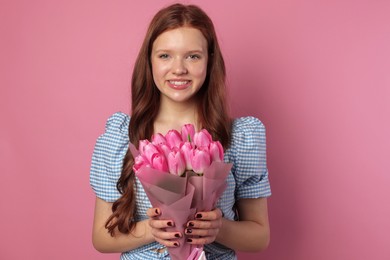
(179, 198)
(197, 254)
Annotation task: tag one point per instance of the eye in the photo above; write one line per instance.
(194, 57)
(163, 56)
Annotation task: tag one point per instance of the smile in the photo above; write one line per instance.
(179, 83)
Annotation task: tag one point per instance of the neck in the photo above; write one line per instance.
(174, 115)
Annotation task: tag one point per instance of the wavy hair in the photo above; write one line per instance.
(212, 110)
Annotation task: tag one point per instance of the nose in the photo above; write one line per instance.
(179, 67)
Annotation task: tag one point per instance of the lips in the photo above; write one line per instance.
(179, 84)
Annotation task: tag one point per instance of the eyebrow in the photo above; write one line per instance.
(191, 51)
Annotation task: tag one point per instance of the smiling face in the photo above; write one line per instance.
(179, 63)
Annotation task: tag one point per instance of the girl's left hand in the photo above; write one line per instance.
(204, 228)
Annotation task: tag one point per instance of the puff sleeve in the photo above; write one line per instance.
(107, 158)
(248, 149)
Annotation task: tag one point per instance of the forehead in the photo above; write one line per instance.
(182, 38)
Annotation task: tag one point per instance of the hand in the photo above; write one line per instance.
(205, 228)
(158, 229)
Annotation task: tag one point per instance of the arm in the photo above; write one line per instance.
(105, 243)
(251, 233)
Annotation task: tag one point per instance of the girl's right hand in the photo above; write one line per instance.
(158, 229)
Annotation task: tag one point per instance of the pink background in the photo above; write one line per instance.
(315, 72)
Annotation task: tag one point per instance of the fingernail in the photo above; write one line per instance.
(157, 212)
(169, 223)
(188, 231)
(198, 215)
(189, 240)
(177, 235)
(191, 224)
(176, 244)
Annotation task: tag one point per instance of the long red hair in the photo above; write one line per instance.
(212, 110)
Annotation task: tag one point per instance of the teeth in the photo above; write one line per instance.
(178, 83)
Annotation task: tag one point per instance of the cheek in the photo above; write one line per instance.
(200, 72)
(158, 71)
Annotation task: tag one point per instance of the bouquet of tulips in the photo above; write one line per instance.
(182, 173)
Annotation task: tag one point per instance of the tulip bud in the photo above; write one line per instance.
(141, 146)
(139, 162)
(176, 163)
(187, 133)
(216, 151)
(187, 151)
(202, 138)
(159, 162)
(148, 151)
(158, 139)
(200, 160)
(164, 149)
(173, 138)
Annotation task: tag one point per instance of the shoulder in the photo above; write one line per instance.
(116, 132)
(247, 128)
(115, 137)
(107, 157)
(248, 140)
(118, 122)
(247, 152)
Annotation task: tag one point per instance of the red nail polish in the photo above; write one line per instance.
(176, 244)
(191, 224)
(188, 231)
(177, 235)
(189, 240)
(198, 215)
(169, 223)
(157, 212)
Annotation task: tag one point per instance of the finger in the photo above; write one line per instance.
(189, 232)
(168, 243)
(209, 215)
(201, 240)
(164, 235)
(204, 224)
(153, 212)
(154, 223)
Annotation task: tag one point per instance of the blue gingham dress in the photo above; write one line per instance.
(248, 177)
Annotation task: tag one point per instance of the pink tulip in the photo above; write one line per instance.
(200, 160)
(177, 152)
(187, 133)
(141, 146)
(159, 162)
(164, 149)
(148, 151)
(216, 151)
(139, 162)
(202, 138)
(176, 163)
(187, 151)
(158, 139)
(173, 138)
